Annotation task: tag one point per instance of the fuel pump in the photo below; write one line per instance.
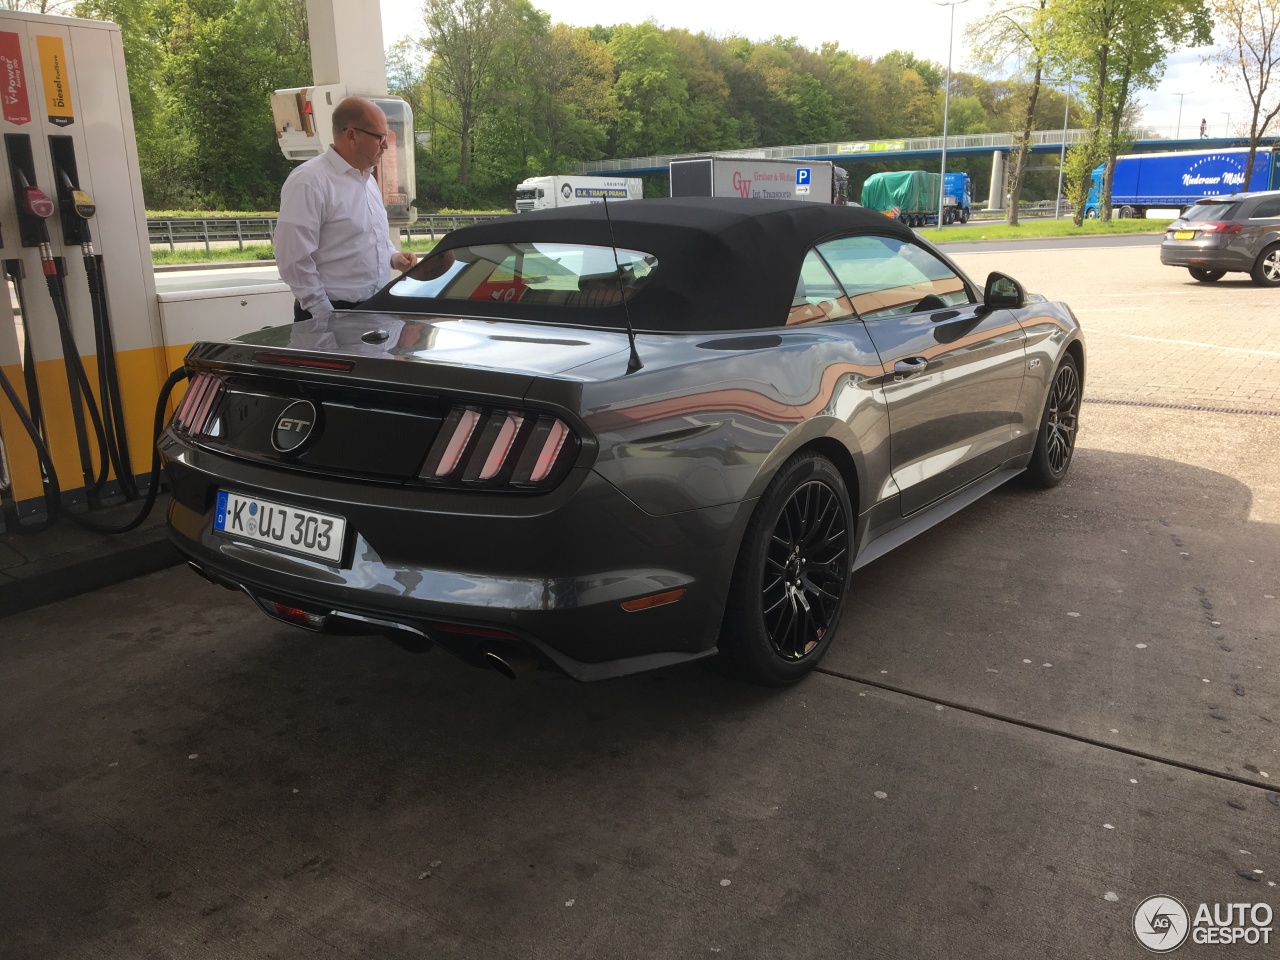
(77, 209)
(68, 129)
(34, 207)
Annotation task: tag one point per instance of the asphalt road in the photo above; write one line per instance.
(1037, 715)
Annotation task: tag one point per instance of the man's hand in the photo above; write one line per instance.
(403, 261)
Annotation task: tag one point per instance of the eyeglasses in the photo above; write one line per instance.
(381, 137)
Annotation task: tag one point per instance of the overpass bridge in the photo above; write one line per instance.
(918, 148)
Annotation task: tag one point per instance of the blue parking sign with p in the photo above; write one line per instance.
(804, 176)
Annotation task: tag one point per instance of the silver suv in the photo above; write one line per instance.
(1218, 234)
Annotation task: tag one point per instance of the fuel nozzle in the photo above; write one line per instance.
(84, 208)
(34, 200)
(82, 203)
(36, 203)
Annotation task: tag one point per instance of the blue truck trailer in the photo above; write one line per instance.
(1169, 181)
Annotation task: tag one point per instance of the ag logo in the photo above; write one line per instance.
(1161, 923)
(294, 427)
(566, 191)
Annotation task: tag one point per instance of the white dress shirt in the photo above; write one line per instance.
(332, 239)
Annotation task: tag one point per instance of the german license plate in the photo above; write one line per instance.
(1184, 234)
(289, 528)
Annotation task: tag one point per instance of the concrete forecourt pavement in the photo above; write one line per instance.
(1038, 715)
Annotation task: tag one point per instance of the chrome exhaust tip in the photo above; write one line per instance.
(508, 661)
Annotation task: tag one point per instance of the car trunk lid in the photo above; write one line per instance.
(384, 398)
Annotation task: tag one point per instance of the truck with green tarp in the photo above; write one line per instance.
(912, 196)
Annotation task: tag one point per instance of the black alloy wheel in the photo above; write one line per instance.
(1204, 275)
(1266, 269)
(1056, 441)
(792, 574)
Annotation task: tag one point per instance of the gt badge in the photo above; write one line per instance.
(294, 427)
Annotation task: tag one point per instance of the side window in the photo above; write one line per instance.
(888, 277)
(1266, 210)
(818, 297)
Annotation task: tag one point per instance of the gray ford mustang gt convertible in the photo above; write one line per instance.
(611, 438)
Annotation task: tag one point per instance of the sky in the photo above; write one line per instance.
(872, 30)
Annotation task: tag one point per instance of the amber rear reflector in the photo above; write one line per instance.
(653, 600)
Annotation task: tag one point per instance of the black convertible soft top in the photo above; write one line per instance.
(724, 263)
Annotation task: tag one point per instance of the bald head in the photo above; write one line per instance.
(353, 112)
(359, 132)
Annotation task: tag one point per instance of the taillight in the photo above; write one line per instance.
(199, 404)
(510, 449)
(1219, 226)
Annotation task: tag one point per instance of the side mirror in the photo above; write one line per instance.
(1003, 292)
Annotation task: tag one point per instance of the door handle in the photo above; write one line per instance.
(909, 367)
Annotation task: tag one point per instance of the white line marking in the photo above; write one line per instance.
(1183, 343)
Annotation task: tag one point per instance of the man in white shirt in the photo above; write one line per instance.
(333, 245)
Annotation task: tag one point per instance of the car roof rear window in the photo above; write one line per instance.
(1211, 210)
(547, 274)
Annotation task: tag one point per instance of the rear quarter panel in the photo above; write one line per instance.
(709, 419)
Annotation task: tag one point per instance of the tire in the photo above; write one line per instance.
(1091, 213)
(947, 218)
(1206, 276)
(1056, 437)
(801, 533)
(1266, 269)
(1126, 212)
(964, 216)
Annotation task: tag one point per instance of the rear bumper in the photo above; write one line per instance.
(548, 572)
(1194, 253)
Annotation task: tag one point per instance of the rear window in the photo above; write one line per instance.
(1210, 211)
(548, 274)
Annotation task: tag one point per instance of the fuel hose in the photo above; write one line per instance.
(52, 490)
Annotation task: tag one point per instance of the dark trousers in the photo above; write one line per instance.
(299, 314)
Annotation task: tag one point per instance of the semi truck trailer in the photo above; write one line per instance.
(912, 196)
(545, 193)
(817, 180)
(1171, 181)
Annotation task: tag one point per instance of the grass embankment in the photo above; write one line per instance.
(995, 230)
(1036, 229)
(162, 256)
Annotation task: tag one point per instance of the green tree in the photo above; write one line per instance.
(1013, 33)
(225, 57)
(464, 38)
(1117, 47)
(653, 98)
(579, 104)
(1248, 59)
(857, 94)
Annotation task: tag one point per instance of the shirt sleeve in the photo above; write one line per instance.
(297, 238)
